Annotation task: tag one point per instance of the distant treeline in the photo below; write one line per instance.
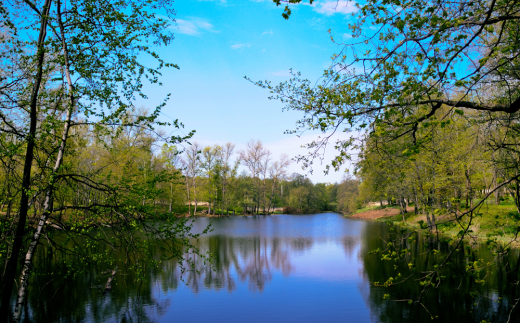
(210, 176)
(171, 180)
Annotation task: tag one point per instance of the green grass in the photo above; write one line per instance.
(490, 222)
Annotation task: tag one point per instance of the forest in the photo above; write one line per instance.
(210, 176)
(465, 162)
(194, 181)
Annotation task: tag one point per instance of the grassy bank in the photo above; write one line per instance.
(490, 222)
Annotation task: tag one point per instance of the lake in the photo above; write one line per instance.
(286, 268)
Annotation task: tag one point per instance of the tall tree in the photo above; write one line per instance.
(277, 172)
(192, 170)
(78, 64)
(252, 157)
(228, 172)
(209, 162)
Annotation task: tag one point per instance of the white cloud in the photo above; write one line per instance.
(268, 32)
(238, 46)
(285, 73)
(194, 26)
(317, 23)
(347, 36)
(332, 7)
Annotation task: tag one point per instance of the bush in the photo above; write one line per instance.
(514, 214)
(291, 210)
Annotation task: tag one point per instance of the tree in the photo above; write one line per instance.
(171, 159)
(228, 174)
(299, 198)
(419, 57)
(264, 166)
(348, 191)
(68, 66)
(209, 162)
(429, 91)
(278, 173)
(192, 169)
(253, 157)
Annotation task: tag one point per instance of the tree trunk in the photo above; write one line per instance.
(171, 198)
(495, 183)
(434, 225)
(428, 221)
(469, 190)
(272, 196)
(48, 203)
(26, 178)
(257, 207)
(403, 208)
(264, 193)
(224, 202)
(189, 195)
(108, 285)
(195, 195)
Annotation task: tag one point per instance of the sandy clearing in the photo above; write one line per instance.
(374, 214)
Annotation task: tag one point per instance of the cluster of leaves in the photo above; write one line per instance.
(76, 155)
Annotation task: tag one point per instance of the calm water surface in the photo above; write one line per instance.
(280, 268)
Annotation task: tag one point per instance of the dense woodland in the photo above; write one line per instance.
(465, 159)
(193, 181)
(211, 175)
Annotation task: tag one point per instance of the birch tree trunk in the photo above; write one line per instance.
(24, 277)
(10, 272)
(195, 195)
(188, 193)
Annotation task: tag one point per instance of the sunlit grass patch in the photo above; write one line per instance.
(500, 223)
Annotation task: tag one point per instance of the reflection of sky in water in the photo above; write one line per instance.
(317, 226)
(328, 262)
(284, 269)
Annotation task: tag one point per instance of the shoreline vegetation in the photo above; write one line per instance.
(492, 223)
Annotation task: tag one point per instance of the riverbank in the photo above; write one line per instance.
(491, 223)
(377, 213)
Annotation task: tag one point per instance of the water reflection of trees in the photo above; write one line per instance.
(81, 298)
(250, 260)
(456, 299)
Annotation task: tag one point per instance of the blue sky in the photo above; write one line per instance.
(219, 42)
